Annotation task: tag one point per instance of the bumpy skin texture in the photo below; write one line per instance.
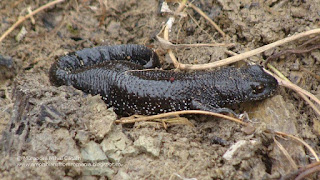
(131, 89)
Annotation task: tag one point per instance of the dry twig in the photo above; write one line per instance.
(165, 44)
(301, 172)
(166, 32)
(247, 54)
(285, 152)
(198, 25)
(282, 80)
(207, 18)
(292, 51)
(176, 113)
(307, 172)
(300, 141)
(235, 59)
(5, 34)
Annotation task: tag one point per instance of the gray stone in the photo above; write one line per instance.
(148, 144)
(115, 157)
(276, 113)
(122, 175)
(114, 144)
(98, 171)
(83, 137)
(130, 151)
(103, 118)
(93, 152)
(280, 115)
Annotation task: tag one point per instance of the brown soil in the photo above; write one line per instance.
(41, 123)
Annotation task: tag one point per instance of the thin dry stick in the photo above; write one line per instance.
(32, 19)
(281, 80)
(166, 33)
(182, 5)
(249, 53)
(303, 93)
(296, 173)
(287, 83)
(308, 172)
(126, 120)
(130, 120)
(300, 141)
(311, 165)
(204, 45)
(172, 56)
(309, 168)
(207, 18)
(168, 45)
(297, 50)
(284, 81)
(297, 88)
(285, 152)
(304, 97)
(176, 113)
(5, 34)
(198, 25)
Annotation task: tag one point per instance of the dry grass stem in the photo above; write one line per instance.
(284, 81)
(303, 93)
(176, 113)
(30, 12)
(285, 152)
(164, 122)
(205, 45)
(300, 141)
(168, 45)
(207, 18)
(167, 29)
(308, 172)
(299, 89)
(198, 25)
(232, 60)
(5, 34)
(169, 51)
(249, 53)
(288, 84)
(301, 172)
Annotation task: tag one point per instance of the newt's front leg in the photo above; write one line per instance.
(196, 105)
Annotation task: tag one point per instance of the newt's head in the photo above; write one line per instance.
(230, 85)
(256, 84)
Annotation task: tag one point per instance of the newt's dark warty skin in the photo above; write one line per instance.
(118, 74)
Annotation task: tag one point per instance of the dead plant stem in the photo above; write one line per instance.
(6, 33)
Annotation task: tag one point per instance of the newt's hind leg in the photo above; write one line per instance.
(196, 105)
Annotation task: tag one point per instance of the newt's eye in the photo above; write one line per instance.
(257, 89)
